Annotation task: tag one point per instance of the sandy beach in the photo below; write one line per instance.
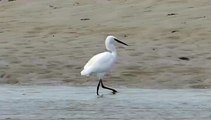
(47, 42)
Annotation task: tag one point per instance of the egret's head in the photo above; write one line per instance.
(111, 42)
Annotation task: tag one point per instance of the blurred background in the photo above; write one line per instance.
(47, 42)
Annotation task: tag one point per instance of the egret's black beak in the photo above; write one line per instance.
(120, 42)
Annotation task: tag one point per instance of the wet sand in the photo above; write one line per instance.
(49, 41)
(64, 103)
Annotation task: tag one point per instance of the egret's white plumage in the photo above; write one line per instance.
(101, 63)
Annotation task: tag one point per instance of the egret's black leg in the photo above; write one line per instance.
(114, 91)
(98, 87)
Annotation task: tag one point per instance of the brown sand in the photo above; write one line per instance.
(49, 41)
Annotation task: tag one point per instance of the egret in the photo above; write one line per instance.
(101, 63)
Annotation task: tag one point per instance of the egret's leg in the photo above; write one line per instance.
(114, 91)
(98, 87)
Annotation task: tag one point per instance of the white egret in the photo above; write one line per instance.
(101, 63)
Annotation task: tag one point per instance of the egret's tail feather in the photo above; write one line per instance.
(85, 72)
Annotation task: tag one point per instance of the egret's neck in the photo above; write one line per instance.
(114, 53)
(111, 48)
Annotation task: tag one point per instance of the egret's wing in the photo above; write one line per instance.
(99, 63)
(91, 61)
(98, 59)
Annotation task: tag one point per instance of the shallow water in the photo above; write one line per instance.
(63, 102)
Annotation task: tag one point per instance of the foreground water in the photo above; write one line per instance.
(64, 102)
